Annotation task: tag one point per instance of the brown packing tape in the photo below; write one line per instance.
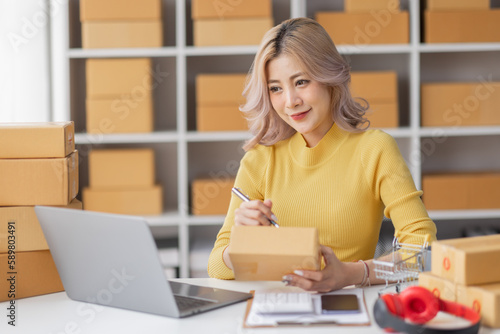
(220, 9)
(99, 10)
(455, 5)
(363, 6)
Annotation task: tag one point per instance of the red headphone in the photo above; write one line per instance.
(419, 305)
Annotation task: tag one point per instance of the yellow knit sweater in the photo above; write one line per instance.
(343, 186)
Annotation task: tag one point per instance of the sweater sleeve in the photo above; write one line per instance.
(391, 182)
(249, 178)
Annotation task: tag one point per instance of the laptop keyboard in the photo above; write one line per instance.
(185, 303)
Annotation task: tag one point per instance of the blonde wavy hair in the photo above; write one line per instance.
(308, 42)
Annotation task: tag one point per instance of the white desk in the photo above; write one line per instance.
(57, 314)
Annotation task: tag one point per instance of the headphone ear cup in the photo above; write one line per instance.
(419, 304)
(393, 304)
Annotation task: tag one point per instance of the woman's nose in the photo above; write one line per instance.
(293, 99)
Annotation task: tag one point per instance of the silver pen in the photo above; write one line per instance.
(243, 197)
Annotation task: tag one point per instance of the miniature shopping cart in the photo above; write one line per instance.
(402, 264)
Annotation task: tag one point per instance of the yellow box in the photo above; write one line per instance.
(376, 85)
(119, 115)
(220, 89)
(461, 191)
(121, 168)
(268, 253)
(210, 196)
(37, 140)
(122, 34)
(36, 274)
(220, 118)
(51, 181)
(112, 78)
(484, 299)
(467, 261)
(383, 115)
(249, 31)
(28, 235)
(478, 26)
(134, 201)
(363, 6)
(377, 27)
(435, 5)
(105, 10)
(222, 9)
(460, 103)
(440, 287)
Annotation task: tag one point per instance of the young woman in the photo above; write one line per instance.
(314, 157)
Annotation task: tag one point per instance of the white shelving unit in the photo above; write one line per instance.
(183, 153)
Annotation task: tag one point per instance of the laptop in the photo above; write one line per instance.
(112, 260)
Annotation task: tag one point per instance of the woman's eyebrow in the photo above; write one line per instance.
(292, 77)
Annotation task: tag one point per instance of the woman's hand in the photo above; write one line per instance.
(254, 213)
(334, 276)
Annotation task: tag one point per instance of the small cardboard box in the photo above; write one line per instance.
(51, 181)
(484, 299)
(440, 287)
(120, 115)
(477, 26)
(268, 253)
(222, 9)
(220, 118)
(467, 261)
(112, 78)
(363, 6)
(122, 34)
(211, 196)
(377, 27)
(28, 235)
(220, 89)
(37, 140)
(99, 10)
(460, 103)
(213, 32)
(383, 115)
(461, 191)
(134, 201)
(376, 85)
(435, 5)
(121, 168)
(36, 274)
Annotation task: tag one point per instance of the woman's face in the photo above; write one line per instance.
(300, 101)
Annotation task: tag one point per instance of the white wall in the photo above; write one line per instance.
(24, 61)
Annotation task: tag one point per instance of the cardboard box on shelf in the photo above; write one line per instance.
(203, 9)
(115, 78)
(383, 115)
(460, 103)
(28, 232)
(122, 34)
(133, 201)
(363, 6)
(478, 26)
(220, 118)
(120, 115)
(210, 196)
(52, 181)
(37, 140)
(121, 168)
(467, 261)
(214, 32)
(461, 191)
(375, 85)
(220, 89)
(382, 27)
(268, 253)
(484, 299)
(36, 274)
(435, 5)
(98, 10)
(440, 287)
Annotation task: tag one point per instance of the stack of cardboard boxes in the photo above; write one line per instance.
(461, 21)
(224, 22)
(39, 166)
(211, 196)
(380, 89)
(123, 181)
(466, 271)
(367, 22)
(119, 95)
(121, 23)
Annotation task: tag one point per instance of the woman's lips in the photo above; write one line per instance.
(299, 116)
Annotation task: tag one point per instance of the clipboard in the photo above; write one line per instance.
(253, 320)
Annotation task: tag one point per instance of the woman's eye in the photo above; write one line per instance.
(274, 89)
(302, 82)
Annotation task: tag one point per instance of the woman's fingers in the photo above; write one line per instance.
(254, 213)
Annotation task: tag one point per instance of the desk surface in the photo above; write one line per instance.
(57, 314)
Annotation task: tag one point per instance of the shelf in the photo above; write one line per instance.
(464, 214)
(194, 136)
(221, 50)
(374, 49)
(169, 218)
(123, 53)
(126, 138)
(460, 131)
(206, 220)
(459, 47)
